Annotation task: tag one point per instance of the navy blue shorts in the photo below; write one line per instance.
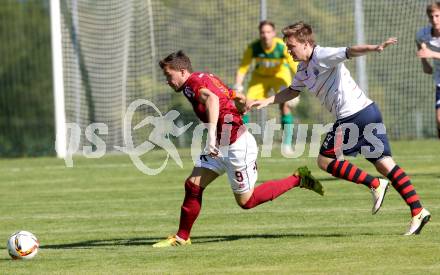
(437, 97)
(362, 132)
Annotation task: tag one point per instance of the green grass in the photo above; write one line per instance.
(103, 215)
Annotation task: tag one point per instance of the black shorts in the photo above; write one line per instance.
(362, 132)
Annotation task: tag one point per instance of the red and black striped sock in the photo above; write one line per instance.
(402, 184)
(345, 170)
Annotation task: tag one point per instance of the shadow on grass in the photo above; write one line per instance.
(196, 240)
(432, 175)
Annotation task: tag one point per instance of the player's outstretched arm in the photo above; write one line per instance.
(360, 50)
(260, 104)
(281, 97)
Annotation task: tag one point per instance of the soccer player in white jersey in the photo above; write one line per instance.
(428, 44)
(322, 72)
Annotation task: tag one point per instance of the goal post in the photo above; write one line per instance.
(58, 82)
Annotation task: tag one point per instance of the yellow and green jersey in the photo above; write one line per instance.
(269, 62)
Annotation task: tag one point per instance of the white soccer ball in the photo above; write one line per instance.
(23, 245)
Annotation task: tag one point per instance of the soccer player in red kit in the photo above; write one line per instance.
(230, 147)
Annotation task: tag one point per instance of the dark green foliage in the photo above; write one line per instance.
(26, 97)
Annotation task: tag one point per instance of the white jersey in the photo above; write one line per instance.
(433, 43)
(329, 80)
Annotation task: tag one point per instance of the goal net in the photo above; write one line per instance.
(111, 50)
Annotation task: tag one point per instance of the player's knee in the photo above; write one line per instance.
(192, 189)
(247, 204)
(322, 163)
(384, 165)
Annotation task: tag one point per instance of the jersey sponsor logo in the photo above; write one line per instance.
(267, 63)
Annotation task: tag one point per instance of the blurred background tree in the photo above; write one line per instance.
(26, 97)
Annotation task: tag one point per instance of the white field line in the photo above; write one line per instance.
(130, 165)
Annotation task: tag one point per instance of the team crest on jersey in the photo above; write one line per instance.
(188, 92)
(315, 71)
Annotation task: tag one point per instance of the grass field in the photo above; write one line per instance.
(103, 215)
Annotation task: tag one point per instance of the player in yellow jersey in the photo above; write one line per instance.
(273, 68)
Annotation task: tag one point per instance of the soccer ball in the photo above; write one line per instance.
(23, 245)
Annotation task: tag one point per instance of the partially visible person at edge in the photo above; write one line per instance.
(428, 45)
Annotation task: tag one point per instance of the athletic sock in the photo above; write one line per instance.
(345, 170)
(270, 190)
(402, 184)
(190, 208)
(245, 118)
(287, 122)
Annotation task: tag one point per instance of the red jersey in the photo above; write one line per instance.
(228, 113)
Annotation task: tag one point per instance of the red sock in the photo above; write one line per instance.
(190, 208)
(270, 190)
(345, 170)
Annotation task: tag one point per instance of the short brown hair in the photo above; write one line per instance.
(264, 23)
(431, 7)
(177, 61)
(301, 31)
